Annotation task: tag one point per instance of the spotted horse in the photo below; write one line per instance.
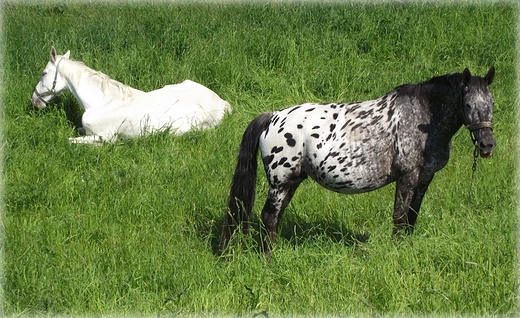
(403, 136)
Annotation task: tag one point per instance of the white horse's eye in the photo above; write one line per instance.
(44, 73)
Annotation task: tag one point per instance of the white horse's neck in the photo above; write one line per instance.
(94, 89)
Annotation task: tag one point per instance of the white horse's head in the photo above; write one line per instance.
(51, 83)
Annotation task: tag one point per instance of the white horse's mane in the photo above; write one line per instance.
(102, 81)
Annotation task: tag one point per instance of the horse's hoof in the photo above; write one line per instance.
(81, 131)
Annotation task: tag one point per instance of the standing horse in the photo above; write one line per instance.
(403, 136)
(114, 109)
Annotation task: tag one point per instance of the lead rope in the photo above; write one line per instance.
(473, 168)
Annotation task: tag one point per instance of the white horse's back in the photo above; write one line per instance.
(200, 106)
(178, 107)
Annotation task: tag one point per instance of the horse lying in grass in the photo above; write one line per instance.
(114, 109)
(403, 137)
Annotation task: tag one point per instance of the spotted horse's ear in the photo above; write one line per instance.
(466, 76)
(490, 75)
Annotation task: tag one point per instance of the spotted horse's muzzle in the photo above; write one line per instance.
(482, 137)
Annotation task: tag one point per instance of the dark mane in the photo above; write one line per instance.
(450, 80)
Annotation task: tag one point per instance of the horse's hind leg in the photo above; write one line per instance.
(277, 200)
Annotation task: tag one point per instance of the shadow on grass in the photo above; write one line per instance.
(293, 230)
(72, 110)
(299, 233)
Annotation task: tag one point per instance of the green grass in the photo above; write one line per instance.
(132, 228)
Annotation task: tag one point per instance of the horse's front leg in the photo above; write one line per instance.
(409, 193)
(89, 139)
(418, 196)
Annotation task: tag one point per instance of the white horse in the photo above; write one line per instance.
(113, 109)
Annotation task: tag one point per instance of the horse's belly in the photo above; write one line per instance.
(354, 175)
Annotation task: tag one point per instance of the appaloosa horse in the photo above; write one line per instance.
(113, 109)
(403, 136)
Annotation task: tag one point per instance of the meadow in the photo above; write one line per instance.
(132, 228)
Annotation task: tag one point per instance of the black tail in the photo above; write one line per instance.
(242, 193)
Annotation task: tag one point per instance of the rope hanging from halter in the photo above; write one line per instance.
(473, 168)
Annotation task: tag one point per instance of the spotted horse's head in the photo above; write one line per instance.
(477, 111)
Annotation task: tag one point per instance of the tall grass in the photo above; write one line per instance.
(132, 228)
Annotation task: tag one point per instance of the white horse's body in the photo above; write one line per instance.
(113, 109)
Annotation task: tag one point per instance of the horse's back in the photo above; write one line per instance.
(192, 94)
(182, 107)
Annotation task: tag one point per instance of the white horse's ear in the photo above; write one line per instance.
(67, 55)
(53, 54)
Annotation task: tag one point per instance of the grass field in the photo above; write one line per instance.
(132, 228)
